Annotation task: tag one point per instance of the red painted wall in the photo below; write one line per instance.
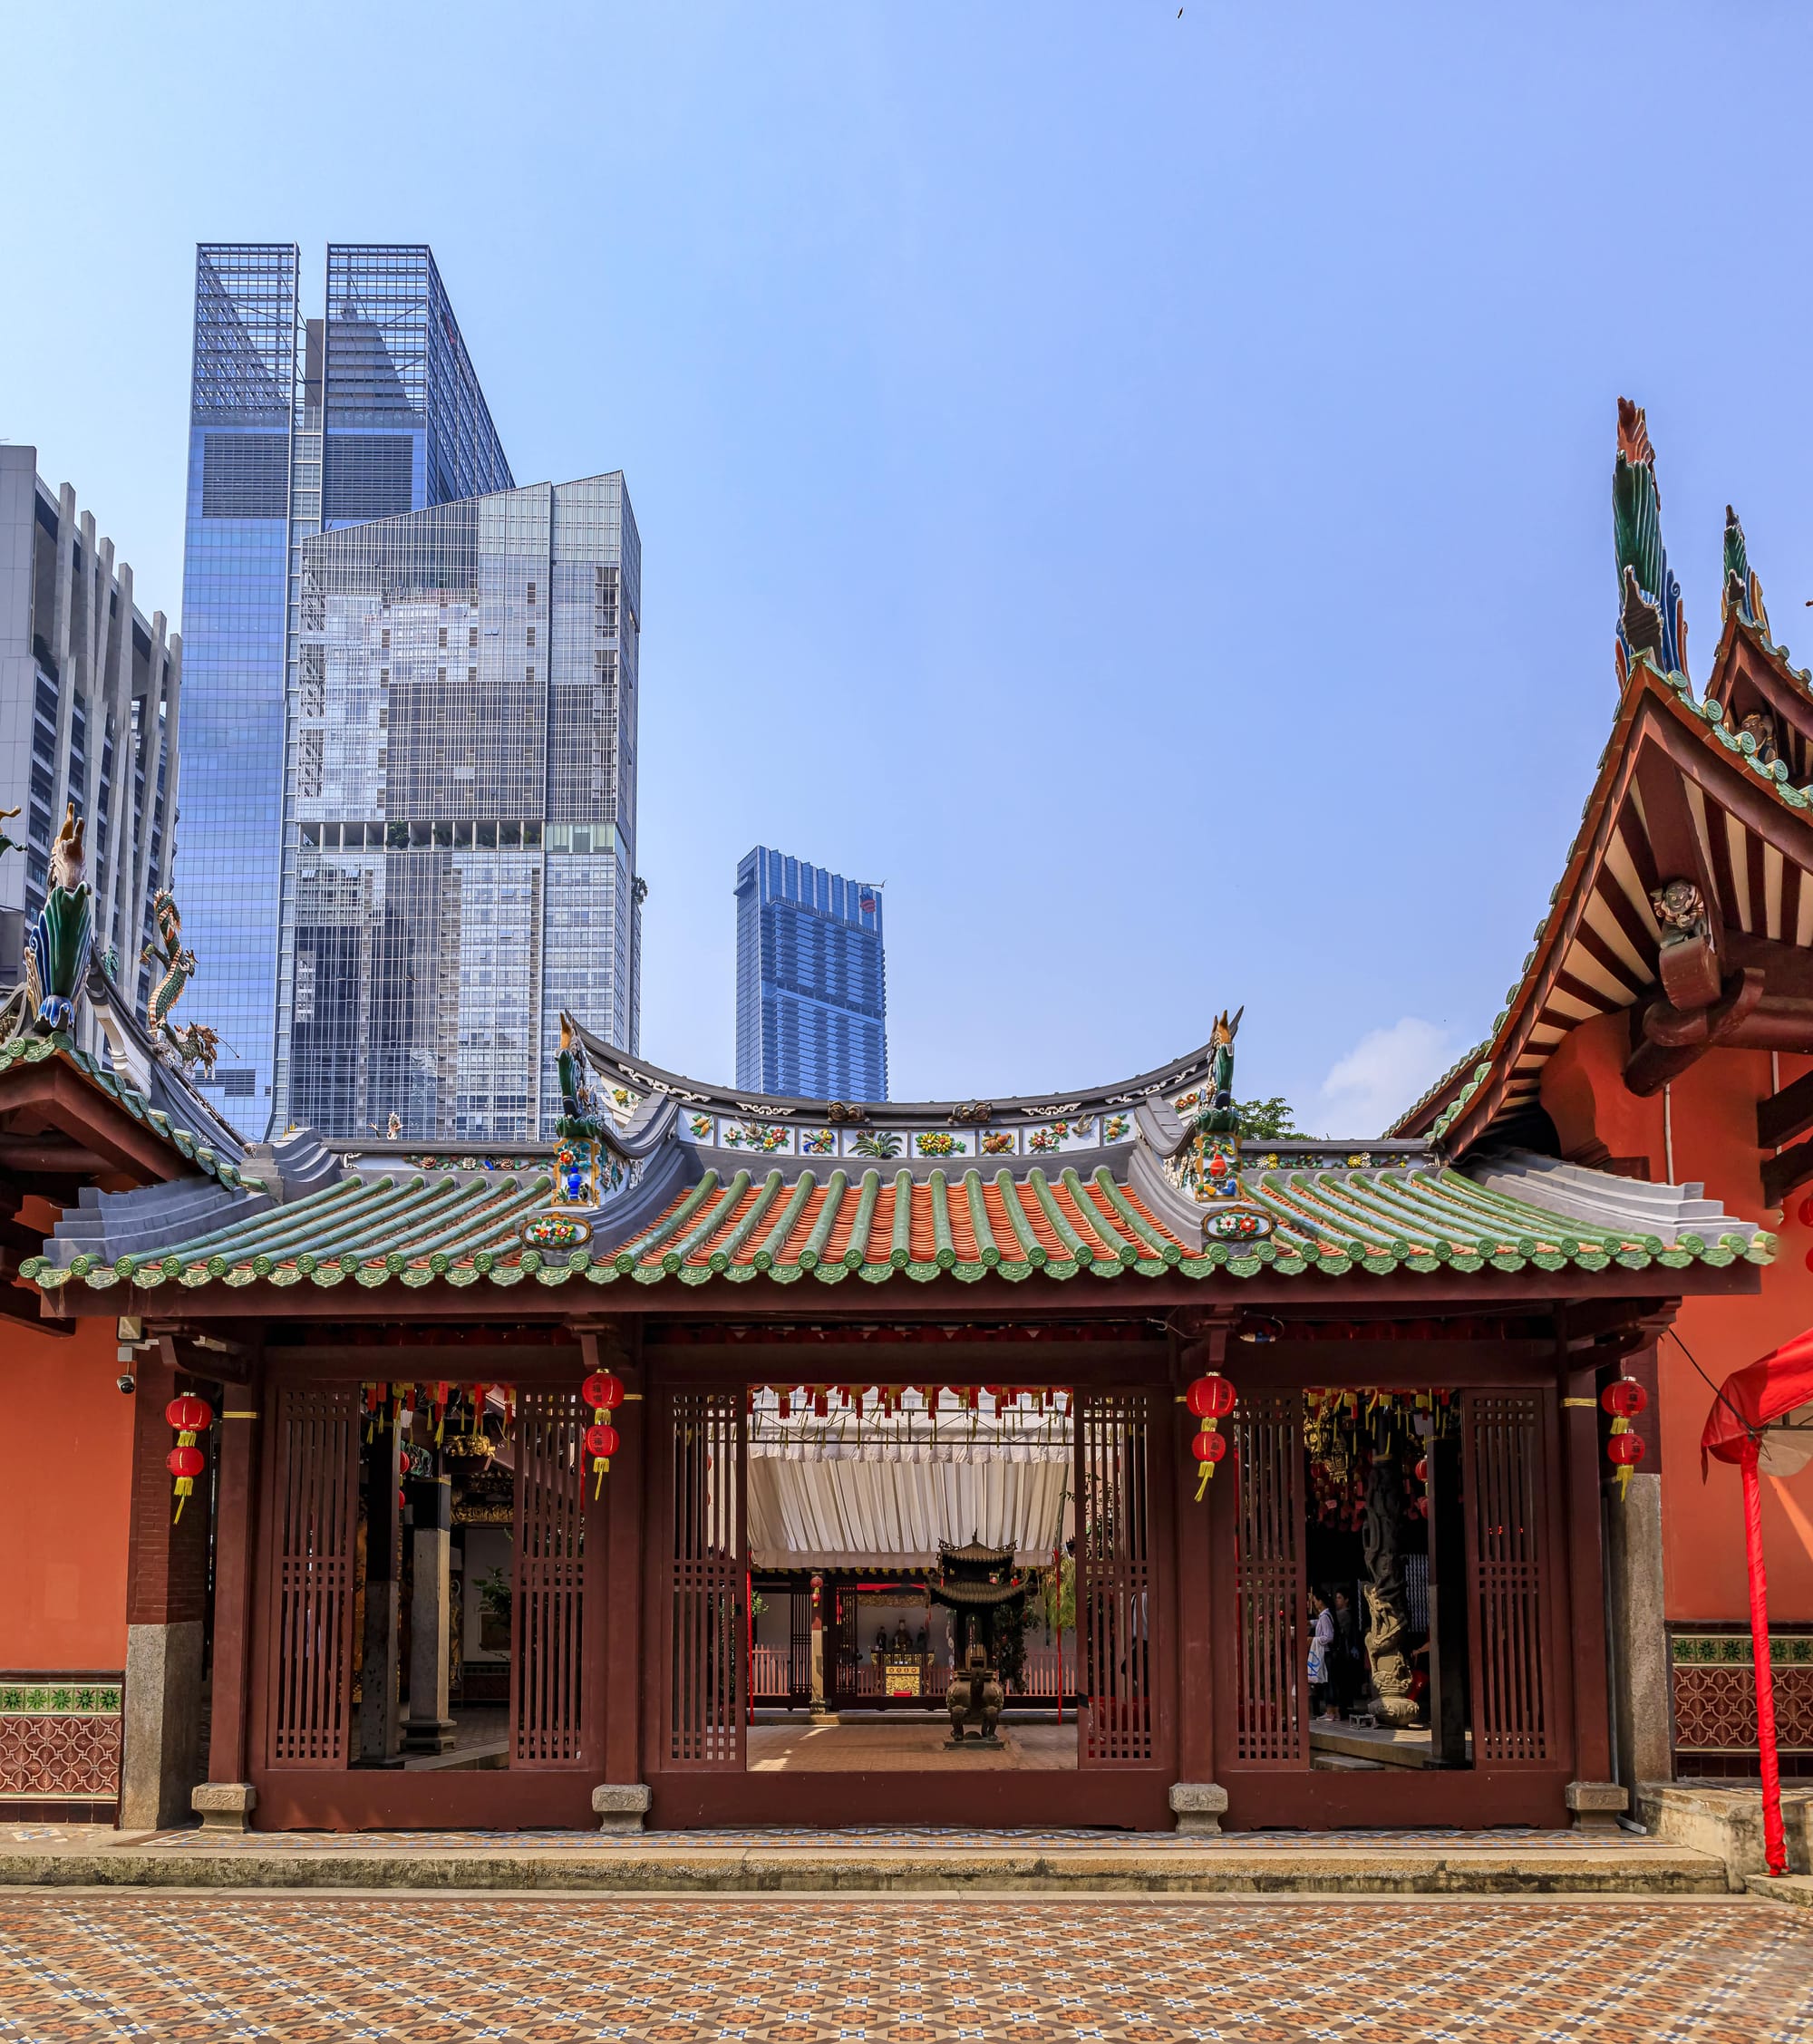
(1709, 1122)
(63, 1498)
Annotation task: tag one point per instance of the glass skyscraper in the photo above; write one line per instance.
(463, 794)
(811, 982)
(297, 426)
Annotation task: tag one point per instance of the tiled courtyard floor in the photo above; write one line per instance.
(305, 1970)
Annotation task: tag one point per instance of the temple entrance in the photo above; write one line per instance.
(913, 1585)
(429, 1611)
(1393, 1604)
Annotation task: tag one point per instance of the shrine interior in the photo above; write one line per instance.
(891, 1531)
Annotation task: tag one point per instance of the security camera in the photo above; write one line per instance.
(125, 1382)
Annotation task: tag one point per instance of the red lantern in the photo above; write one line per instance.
(1625, 1449)
(1805, 1212)
(189, 1416)
(1211, 1396)
(1422, 1469)
(1625, 1398)
(602, 1391)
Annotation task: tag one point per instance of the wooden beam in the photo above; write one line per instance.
(1785, 1115)
(1781, 1174)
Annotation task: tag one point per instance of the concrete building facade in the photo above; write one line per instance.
(89, 695)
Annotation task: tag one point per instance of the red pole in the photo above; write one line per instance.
(749, 1645)
(1775, 1850)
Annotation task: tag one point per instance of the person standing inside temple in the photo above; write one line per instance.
(1321, 1646)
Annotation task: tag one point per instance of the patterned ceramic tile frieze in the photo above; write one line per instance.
(1714, 1684)
(59, 1737)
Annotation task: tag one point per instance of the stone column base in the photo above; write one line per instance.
(224, 1805)
(428, 1734)
(1596, 1805)
(1199, 1807)
(620, 1805)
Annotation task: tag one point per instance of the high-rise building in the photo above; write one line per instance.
(297, 426)
(89, 693)
(811, 982)
(463, 798)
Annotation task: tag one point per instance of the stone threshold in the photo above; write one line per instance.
(1220, 1868)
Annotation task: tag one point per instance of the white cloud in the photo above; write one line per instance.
(1383, 1074)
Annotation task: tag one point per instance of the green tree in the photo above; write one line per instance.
(1266, 1121)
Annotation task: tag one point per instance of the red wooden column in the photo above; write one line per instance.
(1590, 1794)
(237, 1443)
(1195, 1573)
(166, 1611)
(619, 1645)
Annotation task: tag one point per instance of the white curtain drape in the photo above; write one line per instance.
(888, 1507)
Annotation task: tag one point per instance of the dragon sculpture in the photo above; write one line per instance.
(195, 1043)
(60, 940)
(1652, 618)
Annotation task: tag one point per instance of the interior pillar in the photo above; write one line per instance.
(166, 1612)
(429, 1729)
(380, 1665)
(817, 1697)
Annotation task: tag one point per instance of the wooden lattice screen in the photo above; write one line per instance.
(1114, 1577)
(547, 1630)
(1271, 1700)
(1506, 1501)
(315, 1517)
(706, 1646)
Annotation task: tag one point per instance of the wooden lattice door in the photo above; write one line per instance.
(1269, 1695)
(313, 1516)
(1116, 1596)
(548, 1639)
(1506, 1502)
(705, 1657)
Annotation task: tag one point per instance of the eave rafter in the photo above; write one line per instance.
(1678, 798)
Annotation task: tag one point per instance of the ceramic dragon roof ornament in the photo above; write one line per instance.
(194, 1043)
(59, 940)
(1205, 1163)
(1650, 616)
(1744, 592)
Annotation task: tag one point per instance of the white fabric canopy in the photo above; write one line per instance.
(886, 1505)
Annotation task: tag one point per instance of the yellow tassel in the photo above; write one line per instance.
(1624, 1480)
(1202, 1477)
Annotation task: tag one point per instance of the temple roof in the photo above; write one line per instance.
(1679, 794)
(689, 1225)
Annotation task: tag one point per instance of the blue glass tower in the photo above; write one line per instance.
(811, 982)
(297, 426)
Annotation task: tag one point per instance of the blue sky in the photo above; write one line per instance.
(1136, 485)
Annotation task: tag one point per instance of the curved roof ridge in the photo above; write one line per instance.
(638, 1075)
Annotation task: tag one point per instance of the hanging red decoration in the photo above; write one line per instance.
(1210, 1398)
(1624, 1398)
(1423, 1468)
(603, 1390)
(189, 1416)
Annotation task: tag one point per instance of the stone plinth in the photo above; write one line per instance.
(224, 1805)
(620, 1805)
(1596, 1805)
(1199, 1807)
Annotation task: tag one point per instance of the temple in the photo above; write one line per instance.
(565, 1482)
(716, 1460)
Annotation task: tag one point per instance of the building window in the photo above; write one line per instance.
(531, 592)
(531, 634)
